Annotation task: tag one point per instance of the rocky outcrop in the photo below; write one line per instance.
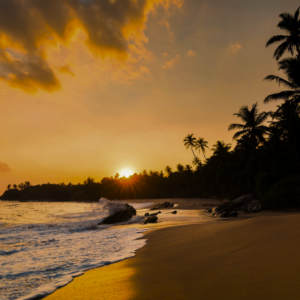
(154, 214)
(120, 216)
(162, 205)
(151, 219)
(146, 215)
(247, 204)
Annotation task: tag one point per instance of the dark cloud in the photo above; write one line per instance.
(27, 27)
(4, 167)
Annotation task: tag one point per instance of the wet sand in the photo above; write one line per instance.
(254, 258)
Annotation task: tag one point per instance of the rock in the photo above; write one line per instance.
(130, 209)
(234, 214)
(146, 215)
(120, 216)
(247, 203)
(154, 214)
(162, 205)
(174, 212)
(151, 219)
(209, 210)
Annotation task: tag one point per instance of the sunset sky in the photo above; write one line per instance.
(90, 87)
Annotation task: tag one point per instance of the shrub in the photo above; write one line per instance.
(283, 194)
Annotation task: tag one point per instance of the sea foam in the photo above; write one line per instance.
(38, 257)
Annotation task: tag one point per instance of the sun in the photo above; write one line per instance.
(126, 172)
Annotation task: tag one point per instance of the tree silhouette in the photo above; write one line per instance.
(15, 186)
(291, 68)
(221, 149)
(8, 187)
(189, 142)
(200, 145)
(168, 170)
(252, 131)
(180, 168)
(285, 119)
(196, 161)
(188, 168)
(291, 41)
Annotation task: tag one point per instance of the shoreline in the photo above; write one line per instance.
(256, 258)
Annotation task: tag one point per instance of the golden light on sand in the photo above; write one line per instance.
(126, 172)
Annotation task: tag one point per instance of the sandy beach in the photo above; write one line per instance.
(252, 258)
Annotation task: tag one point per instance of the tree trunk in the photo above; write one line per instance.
(193, 151)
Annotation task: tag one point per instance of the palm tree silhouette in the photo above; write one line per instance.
(180, 168)
(196, 161)
(221, 151)
(291, 41)
(291, 68)
(200, 145)
(168, 170)
(252, 130)
(220, 148)
(188, 168)
(285, 119)
(190, 141)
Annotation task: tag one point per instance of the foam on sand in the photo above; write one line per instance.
(37, 258)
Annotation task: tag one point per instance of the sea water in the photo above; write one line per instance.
(44, 245)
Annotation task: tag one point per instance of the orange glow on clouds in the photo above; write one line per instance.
(108, 29)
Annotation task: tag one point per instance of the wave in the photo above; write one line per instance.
(46, 255)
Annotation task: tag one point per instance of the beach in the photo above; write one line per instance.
(251, 258)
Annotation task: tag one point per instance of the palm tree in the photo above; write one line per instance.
(200, 145)
(252, 130)
(196, 161)
(285, 120)
(221, 149)
(285, 125)
(188, 168)
(180, 168)
(221, 152)
(291, 41)
(291, 68)
(168, 170)
(190, 141)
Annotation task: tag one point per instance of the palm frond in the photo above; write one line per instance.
(240, 133)
(280, 81)
(286, 23)
(279, 96)
(262, 117)
(275, 39)
(235, 126)
(280, 50)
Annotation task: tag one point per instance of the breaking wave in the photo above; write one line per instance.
(43, 246)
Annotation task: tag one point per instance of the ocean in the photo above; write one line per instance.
(43, 245)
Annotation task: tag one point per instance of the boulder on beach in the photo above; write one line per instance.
(154, 214)
(174, 212)
(228, 209)
(120, 216)
(151, 219)
(146, 215)
(162, 205)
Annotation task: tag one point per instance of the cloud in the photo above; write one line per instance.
(29, 28)
(66, 69)
(4, 167)
(234, 48)
(172, 62)
(191, 54)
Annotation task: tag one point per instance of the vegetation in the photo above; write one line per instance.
(264, 161)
